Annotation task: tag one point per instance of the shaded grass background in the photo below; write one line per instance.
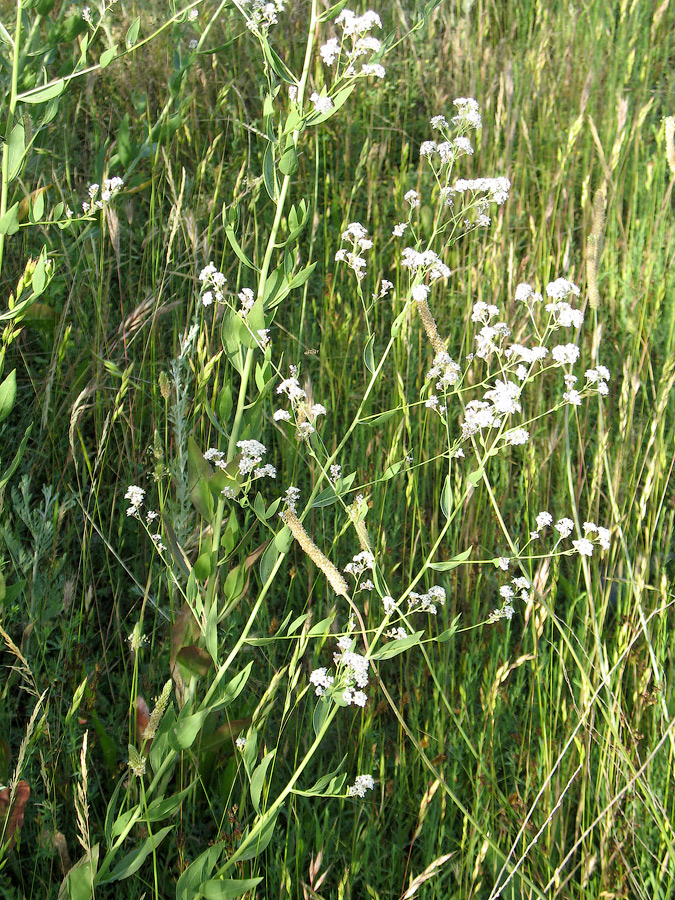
(571, 94)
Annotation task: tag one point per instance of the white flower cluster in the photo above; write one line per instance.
(353, 669)
(260, 14)
(426, 602)
(565, 527)
(322, 103)
(252, 453)
(356, 234)
(354, 43)
(520, 586)
(362, 784)
(303, 410)
(212, 282)
(446, 370)
(135, 495)
(215, 456)
(359, 564)
(468, 115)
(321, 681)
(427, 262)
(111, 186)
(247, 298)
(479, 414)
(495, 189)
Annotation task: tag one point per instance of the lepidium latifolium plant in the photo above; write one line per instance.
(241, 682)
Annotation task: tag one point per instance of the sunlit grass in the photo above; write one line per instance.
(554, 726)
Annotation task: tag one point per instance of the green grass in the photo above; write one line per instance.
(540, 748)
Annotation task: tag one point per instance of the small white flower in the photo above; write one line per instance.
(438, 123)
(322, 105)
(544, 519)
(572, 397)
(321, 681)
(564, 527)
(504, 563)
(362, 784)
(330, 51)
(399, 230)
(561, 288)
(583, 546)
(135, 496)
(565, 354)
(389, 604)
(413, 198)
(517, 437)
(373, 69)
(240, 742)
(604, 537)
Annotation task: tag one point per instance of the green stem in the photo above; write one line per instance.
(13, 92)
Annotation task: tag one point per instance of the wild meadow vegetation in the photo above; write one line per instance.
(337, 432)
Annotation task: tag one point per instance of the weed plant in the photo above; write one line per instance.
(345, 433)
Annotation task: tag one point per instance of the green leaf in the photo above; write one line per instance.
(301, 277)
(321, 627)
(187, 887)
(107, 56)
(260, 840)
(131, 863)
(267, 562)
(328, 496)
(9, 223)
(258, 779)
(234, 243)
(224, 405)
(288, 164)
(474, 478)
(391, 471)
(16, 147)
(199, 472)
(211, 633)
(110, 820)
(321, 713)
(269, 173)
(202, 566)
(379, 420)
(227, 888)
(233, 688)
(79, 882)
(320, 786)
(448, 633)
(39, 277)
(446, 497)
(37, 207)
(394, 648)
(277, 64)
(368, 355)
(184, 731)
(40, 95)
(448, 564)
(164, 807)
(283, 539)
(338, 100)
(132, 33)
(7, 395)
(297, 623)
(124, 148)
(17, 459)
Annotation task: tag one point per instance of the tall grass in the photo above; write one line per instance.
(529, 757)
